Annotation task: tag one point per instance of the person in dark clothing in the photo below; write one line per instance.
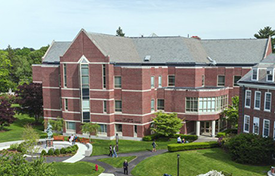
(110, 150)
(125, 167)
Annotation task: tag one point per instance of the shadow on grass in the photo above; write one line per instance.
(221, 156)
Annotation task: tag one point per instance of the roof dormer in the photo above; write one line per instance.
(255, 74)
(269, 74)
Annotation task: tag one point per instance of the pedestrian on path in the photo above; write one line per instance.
(125, 167)
(114, 152)
(154, 144)
(110, 150)
(117, 142)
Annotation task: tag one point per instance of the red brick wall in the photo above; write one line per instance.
(36, 73)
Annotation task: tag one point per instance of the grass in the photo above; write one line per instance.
(77, 169)
(14, 131)
(196, 162)
(101, 147)
(117, 162)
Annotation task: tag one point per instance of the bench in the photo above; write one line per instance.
(58, 138)
(89, 151)
(84, 140)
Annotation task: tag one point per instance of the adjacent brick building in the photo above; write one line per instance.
(120, 82)
(257, 99)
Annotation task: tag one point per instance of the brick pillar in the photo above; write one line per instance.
(128, 130)
(110, 130)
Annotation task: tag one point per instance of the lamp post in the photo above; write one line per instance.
(178, 165)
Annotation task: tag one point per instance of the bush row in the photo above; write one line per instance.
(227, 132)
(71, 149)
(191, 146)
(189, 138)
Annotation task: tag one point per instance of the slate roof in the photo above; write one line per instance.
(172, 49)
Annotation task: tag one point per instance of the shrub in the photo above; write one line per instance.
(14, 146)
(231, 131)
(51, 152)
(43, 153)
(68, 150)
(221, 134)
(63, 151)
(191, 146)
(251, 149)
(57, 152)
(21, 148)
(147, 138)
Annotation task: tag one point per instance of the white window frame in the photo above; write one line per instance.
(104, 109)
(103, 133)
(255, 120)
(266, 120)
(272, 73)
(115, 82)
(70, 130)
(268, 110)
(246, 131)
(246, 99)
(152, 108)
(257, 72)
(66, 103)
(119, 133)
(274, 131)
(152, 82)
(104, 86)
(160, 81)
(65, 75)
(169, 82)
(120, 108)
(257, 108)
(202, 80)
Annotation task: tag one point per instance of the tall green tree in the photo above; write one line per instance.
(232, 112)
(265, 33)
(166, 125)
(90, 128)
(5, 65)
(119, 32)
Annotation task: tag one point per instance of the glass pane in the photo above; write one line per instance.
(118, 82)
(86, 104)
(85, 80)
(70, 125)
(85, 92)
(85, 71)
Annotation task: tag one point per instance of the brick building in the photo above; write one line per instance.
(257, 99)
(120, 82)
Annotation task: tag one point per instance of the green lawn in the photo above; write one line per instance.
(14, 131)
(196, 162)
(77, 169)
(101, 147)
(117, 162)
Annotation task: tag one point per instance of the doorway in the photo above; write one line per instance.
(206, 128)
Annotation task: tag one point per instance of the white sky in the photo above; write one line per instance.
(35, 23)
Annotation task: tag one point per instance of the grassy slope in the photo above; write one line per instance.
(14, 131)
(77, 169)
(101, 147)
(117, 162)
(194, 163)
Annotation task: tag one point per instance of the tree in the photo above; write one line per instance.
(5, 64)
(90, 128)
(6, 112)
(232, 112)
(166, 124)
(30, 137)
(17, 165)
(265, 33)
(119, 32)
(29, 97)
(57, 124)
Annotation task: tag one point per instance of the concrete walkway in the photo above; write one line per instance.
(206, 139)
(6, 145)
(80, 154)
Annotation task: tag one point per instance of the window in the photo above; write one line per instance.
(191, 104)
(266, 126)
(171, 80)
(135, 129)
(102, 129)
(86, 116)
(152, 81)
(152, 105)
(86, 105)
(247, 98)
(104, 75)
(118, 106)
(221, 80)
(267, 101)
(70, 126)
(160, 104)
(117, 81)
(104, 106)
(65, 75)
(254, 74)
(274, 131)
(257, 102)
(119, 128)
(236, 79)
(207, 104)
(203, 80)
(269, 75)
(66, 104)
(85, 93)
(256, 125)
(160, 81)
(246, 124)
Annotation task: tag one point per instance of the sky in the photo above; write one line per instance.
(36, 23)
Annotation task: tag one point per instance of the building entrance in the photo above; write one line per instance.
(206, 128)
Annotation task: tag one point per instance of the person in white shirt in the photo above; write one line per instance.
(179, 140)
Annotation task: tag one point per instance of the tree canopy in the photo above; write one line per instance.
(90, 128)
(6, 112)
(265, 33)
(232, 112)
(119, 32)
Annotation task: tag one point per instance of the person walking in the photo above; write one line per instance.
(154, 144)
(110, 150)
(125, 167)
(117, 142)
(114, 152)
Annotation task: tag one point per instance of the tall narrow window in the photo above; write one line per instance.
(152, 81)
(160, 81)
(254, 74)
(267, 102)
(160, 105)
(246, 124)
(104, 106)
(117, 81)
(66, 104)
(221, 80)
(104, 75)
(85, 95)
(256, 125)
(118, 106)
(171, 80)
(236, 79)
(266, 126)
(65, 75)
(191, 104)
(152, 105)
(269, 75)
(257, 102)
(247, 98)
(202, 80)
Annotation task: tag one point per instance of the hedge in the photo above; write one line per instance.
(221, 134)
(189, 138)
(191, 146)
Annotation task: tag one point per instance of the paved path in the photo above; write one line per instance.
(80, 154)
(206, 139)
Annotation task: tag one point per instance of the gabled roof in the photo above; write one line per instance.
(54, 52)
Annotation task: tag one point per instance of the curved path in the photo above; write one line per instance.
(80, 154)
